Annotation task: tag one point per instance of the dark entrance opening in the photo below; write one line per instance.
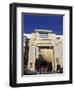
(43, 67)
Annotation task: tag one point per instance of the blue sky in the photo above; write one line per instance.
(50, 22)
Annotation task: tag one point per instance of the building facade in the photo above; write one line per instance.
(45, 47)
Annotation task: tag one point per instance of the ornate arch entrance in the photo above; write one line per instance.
(45, 59)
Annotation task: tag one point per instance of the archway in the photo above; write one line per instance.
(44, 62)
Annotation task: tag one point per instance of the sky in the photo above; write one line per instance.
(49, 22)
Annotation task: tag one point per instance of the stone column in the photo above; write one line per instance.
(55, 62)
(32, 58)
(37, 52)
